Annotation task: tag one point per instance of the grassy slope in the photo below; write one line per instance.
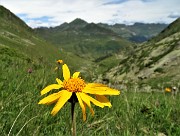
(14, 33)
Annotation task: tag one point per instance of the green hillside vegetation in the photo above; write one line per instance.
(154, 64)
(85, 40)
(14, 33)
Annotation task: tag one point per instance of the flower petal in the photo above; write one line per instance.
(66, 72)
(104, 100)
(87, 98)
(51, 98)
(82, 105)
(87, 101)
(104, 90)
(50, 87)
(76, 74)
(65, 96)
(96, 85)
(59, 81)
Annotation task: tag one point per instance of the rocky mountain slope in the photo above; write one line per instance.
(154, 63)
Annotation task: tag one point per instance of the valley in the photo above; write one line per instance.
(140, 60)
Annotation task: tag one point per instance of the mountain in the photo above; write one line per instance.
(173, 28)
(155, 63)
(138, 32)
(77, 23)
(87, 40)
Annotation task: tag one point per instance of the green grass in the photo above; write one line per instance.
(133, 113)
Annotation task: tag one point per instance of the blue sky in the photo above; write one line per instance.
(51, 13)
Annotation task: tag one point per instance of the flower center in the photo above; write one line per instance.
(74, 84)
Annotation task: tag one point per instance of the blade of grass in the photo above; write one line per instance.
(25, 125)
(16, 120)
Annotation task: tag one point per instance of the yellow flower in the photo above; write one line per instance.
(167, 89)
(59, 61)
(75, 86)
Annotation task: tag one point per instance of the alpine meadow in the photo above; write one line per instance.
(89, 79)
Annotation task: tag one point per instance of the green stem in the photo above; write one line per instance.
(73, 118)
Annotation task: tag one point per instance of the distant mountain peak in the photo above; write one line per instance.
(78, 21)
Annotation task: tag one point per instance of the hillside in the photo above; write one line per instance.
(138, 32)
(87, 40)
(14, 33)
(155, 63)
(17, 36)
(173, 28)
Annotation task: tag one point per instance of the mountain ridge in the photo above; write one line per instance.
(137, 32)
(90, 39)
(170, 30)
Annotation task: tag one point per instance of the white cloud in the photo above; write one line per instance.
(174, 15)
(106, 11)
